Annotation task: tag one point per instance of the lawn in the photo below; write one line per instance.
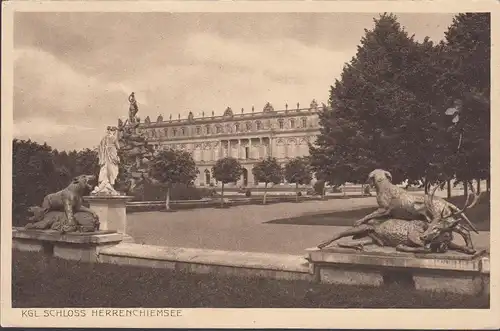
(49, 282)
(479, 215)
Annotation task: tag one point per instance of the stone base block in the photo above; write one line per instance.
(450, 272)
(350, 277)
(468, 284)
(206, 261)
(72, 246)
(27, 245)
(76, 253)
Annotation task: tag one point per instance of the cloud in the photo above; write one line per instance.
(277, 58)
(74, 71)
(57, 135)
(217, 72)
(54, 100)
(220, 72)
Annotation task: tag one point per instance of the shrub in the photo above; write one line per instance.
(157, 192)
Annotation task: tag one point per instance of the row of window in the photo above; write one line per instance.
(229, 128)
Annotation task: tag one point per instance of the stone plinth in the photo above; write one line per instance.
(195, 260)
(112, 212)
(71, 246)
(447, 272)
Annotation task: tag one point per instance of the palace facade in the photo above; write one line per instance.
(247, 136)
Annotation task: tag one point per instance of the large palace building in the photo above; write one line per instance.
(247, 136)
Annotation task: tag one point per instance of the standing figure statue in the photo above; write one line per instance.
(133, 109)
(108, 161)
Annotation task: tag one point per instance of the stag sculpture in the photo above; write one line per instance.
(396, 202)
(416, 235)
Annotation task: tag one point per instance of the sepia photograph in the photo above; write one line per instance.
(161, 161)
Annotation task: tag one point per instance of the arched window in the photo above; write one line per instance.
(237, 127)
(292, 123)
(258, 125)
(281, 123)
(207, 129)
(165, 131)
(219, 129)
(174, 132)
(249, 126)
(207, 177)
(281, 149)
(198, 130)
(304, 122)
(183, 130)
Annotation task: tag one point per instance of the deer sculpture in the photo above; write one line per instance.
(417, 235)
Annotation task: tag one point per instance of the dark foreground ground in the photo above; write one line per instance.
(48, 282)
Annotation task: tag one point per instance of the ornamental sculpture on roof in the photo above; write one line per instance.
(228, 112)
(268, 108)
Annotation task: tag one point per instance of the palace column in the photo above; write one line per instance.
(261, 148)
(269, 146)
(239, 149)
(250, 148)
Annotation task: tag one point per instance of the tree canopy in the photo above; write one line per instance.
(227, 170)
(171, 166)
(268, 171)
(387, 110)
(297, 171)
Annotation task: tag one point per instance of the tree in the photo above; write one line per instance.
(172, 167)
(379, 112)
(465, 76)
(87, 162)
(267, 171)
(298, 171)
(34, 175)
(226, 170)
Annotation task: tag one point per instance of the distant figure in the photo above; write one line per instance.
(133, 109)
(108, 161)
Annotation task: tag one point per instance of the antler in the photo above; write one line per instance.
(466, 205)
(432, 198)
(474, 202)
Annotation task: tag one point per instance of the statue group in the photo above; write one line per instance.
(122, 152)
(409, 222)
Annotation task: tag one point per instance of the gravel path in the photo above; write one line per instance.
(244, 228)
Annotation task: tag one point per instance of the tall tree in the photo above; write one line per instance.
(87, 162)
(267, 171)
(172, 167)
(298, 172)
(465, 77)
(379, 115)
(33, 174)
(226, 170)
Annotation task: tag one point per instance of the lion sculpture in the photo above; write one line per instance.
(64, 211)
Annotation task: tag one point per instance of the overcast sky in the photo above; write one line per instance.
(74, 71)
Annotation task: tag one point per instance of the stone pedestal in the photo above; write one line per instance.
(82, 247)
(112, 213)
(376, 266)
